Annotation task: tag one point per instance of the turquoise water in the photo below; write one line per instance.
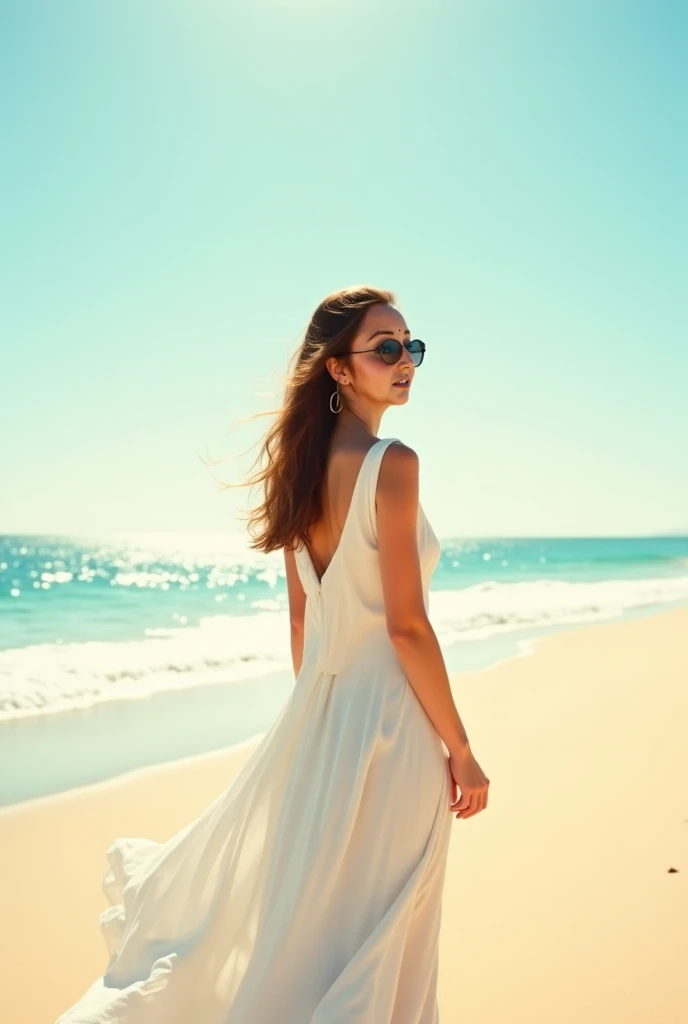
(157, 647)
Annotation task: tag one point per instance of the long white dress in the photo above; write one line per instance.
(309, 891)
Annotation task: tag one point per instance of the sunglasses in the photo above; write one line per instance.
(390, 350)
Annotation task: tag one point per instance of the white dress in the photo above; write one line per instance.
(309, 891)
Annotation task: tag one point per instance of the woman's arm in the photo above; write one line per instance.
(297, 609)
(408, 625)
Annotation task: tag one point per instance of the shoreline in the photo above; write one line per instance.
(62, 709)
(560, 899)
(74, 749)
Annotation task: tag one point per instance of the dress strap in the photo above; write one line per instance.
(370, 489)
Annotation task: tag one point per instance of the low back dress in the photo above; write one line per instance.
(309, 891)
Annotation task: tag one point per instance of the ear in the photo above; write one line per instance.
(337, 370)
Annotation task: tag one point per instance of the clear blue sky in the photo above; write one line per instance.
(183, 183)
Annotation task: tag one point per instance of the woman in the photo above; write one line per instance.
(310, 891)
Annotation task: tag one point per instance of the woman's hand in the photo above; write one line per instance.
(467, 776)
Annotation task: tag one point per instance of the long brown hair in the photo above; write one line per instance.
(297, 444)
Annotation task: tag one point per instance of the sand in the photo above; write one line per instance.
(560, 905)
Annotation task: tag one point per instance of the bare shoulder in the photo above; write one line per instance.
(399, 469)
(397, 540)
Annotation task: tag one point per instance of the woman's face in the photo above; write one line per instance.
(368, 377)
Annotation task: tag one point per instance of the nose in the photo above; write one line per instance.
(405, 361)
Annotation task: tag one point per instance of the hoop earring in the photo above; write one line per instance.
(335, 394)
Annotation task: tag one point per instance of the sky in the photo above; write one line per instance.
(182, 183)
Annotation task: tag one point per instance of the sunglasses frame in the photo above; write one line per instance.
(402, 346)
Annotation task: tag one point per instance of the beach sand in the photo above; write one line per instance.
(559, 904)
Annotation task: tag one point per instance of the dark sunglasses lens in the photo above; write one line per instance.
(390, 350)
(416, 350)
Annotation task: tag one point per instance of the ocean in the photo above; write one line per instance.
(120, 651)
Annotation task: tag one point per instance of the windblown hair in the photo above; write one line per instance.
(297, 445)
